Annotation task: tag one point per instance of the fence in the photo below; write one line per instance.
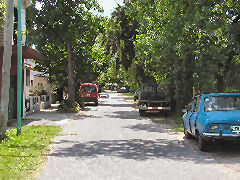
(36, 103)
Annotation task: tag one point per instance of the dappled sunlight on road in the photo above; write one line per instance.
(137, 149)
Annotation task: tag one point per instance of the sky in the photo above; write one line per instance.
(107, 5)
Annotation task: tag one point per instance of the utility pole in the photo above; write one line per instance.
(19, 69)
(7, 54)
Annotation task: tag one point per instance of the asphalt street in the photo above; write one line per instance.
(111, 141)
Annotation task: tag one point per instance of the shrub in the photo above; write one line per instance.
(66, 106)
(80, 99)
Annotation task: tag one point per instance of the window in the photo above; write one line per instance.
(89, 88)
(222, 103)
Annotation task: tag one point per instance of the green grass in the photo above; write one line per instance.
(178, 120)
(21, 157)
(127, 94)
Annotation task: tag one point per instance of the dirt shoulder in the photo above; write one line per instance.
(171, 123)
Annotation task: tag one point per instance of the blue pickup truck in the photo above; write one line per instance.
(213, 116)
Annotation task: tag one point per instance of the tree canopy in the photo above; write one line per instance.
(65, 32)
(2, 12)
(188, 47)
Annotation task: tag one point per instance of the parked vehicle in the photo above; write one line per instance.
(90, 92)
(152, 98)
(122, 90)
(136, 94)
(213, 116)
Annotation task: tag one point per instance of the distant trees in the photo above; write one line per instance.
(118, 42)
(187, 46)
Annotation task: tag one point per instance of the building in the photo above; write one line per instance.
(28, 53)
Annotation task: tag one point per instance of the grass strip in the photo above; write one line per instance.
(127, 94)
(179, 123)
(21, 157)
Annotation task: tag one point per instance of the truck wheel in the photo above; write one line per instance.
(141, 112)
(187, 135)
(202, 144)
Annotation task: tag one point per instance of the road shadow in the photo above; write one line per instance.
(146, 127)
(137, 149)
(51, 115)
(219, 148)
(117, 105)
(124, 115)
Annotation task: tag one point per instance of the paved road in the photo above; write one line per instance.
(111, 141)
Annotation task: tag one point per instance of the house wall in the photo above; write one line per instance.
(40, 83)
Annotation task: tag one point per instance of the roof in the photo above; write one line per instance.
(88, 84)
(27, 52)
(220, 94)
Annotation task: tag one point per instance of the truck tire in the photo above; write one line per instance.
(187, 135)
(202, 144)
(141, 112)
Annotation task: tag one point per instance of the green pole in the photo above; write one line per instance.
(19, 70)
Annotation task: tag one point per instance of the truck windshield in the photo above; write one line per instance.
(222, 103)
(149, 89)
(152, 88)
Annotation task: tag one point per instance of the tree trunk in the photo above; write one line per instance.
(189, 69)
(8, 35)
(184, 78)
(71, 85)
(228, 65)
(220, 78)
(60, 94)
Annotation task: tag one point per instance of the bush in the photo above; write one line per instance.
(80, 99)
(66, 106)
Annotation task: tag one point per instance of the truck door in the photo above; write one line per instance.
(187, 116)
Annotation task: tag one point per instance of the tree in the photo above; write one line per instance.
(2, 13)
(119, 43)
(66, 30)
(185, 45)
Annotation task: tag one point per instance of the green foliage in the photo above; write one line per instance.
(61, 23)
(188, 46)
(178, 121)
(128, 94)
(80, 99)
(66, 106)
(22, 156)
(2, 12)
